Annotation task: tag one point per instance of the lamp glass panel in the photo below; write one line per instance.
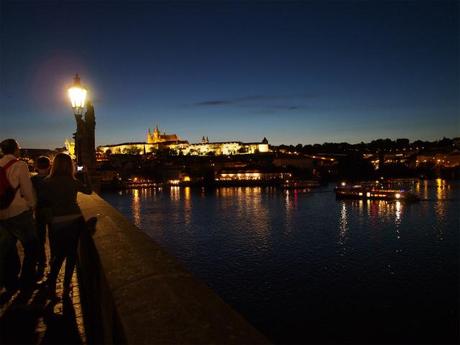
(77, 97)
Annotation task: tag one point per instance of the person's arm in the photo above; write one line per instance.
(25, 184)
(84, 187)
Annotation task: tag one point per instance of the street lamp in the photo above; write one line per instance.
(77, 95)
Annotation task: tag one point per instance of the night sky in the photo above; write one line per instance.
(297, 72)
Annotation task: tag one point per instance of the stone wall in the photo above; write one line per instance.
(134, 292)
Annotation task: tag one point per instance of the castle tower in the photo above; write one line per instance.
(149, 137)
(155, 137)
(156, 134)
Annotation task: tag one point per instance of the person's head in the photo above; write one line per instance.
(62, 166)
(43, 165)
(10, 147)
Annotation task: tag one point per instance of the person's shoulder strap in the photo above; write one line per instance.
(10, 163)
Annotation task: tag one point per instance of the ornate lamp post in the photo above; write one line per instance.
(77, 95)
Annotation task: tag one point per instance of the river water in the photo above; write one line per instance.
(303, 267)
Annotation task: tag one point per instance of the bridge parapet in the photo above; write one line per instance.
(134, 292)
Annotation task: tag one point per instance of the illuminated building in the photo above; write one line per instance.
(157, 141)
(70, 147)
(250, 175)
(135, 148)
(226, 148)
(156, 137)
(449, 160)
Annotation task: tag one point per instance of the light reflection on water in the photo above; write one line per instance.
(343, 224)
(136, 207)
(187, 206)
(269, 252)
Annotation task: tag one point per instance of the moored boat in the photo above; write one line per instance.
(373, 192)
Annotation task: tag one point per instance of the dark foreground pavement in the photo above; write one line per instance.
(33, 318)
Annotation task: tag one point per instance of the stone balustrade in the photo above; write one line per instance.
(134, 292)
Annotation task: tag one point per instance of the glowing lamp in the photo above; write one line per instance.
(77, 95)
(397, 195)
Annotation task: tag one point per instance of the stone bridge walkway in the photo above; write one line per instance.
(32, 318)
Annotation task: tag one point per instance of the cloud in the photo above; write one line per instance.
(238, 100)
(213, 102)
(253, 100)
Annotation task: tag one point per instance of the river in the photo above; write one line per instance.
(303, 267)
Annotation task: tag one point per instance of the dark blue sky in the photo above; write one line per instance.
(296, 72)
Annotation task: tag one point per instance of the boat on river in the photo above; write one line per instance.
(139, 182)
(300, 184)
(373, 191)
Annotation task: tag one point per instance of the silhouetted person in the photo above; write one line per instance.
(16, 219)
(42, 213)
(60, 190)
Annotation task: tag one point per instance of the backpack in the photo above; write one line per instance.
(7, 192)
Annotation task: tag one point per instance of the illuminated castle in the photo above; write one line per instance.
(157, 141)
(156, 137)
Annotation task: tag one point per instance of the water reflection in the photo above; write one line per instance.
(261, 220)
(136, 207)
(398, 206)
(361, 208)
(250, 207)
(291, 200)
(441, 194)
(398, 212)
(375, 211)
(343, 224)
(174, 193)
(442, 189)
(290, 206)
(424, 189)
(245, 204)
(187, 206)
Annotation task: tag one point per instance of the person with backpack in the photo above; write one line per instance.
(17, 201)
